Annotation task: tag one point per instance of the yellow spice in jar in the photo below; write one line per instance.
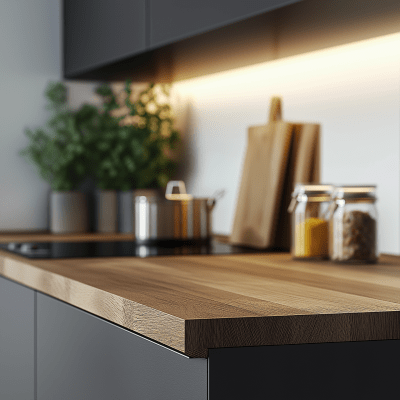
(311, 238)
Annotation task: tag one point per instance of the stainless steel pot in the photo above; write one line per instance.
(179, 216)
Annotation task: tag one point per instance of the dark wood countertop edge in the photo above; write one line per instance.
(201, 335)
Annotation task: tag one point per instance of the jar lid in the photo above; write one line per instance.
(309, 189)
(310, 192)
(366, 192)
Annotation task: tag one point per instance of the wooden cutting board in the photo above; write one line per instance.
(262, 181)
(303, 167)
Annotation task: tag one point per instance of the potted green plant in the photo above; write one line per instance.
(133, 149)
(58, 151)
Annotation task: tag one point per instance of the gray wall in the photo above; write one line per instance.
(29, 58)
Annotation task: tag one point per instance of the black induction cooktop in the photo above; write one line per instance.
(41, 250)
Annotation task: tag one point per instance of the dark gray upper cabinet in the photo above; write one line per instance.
(167, 40)
(17, 341)
(172, 20)
(116, 39)
(101, 32)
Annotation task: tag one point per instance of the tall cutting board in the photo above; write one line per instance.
(262, 182)
(303, 167)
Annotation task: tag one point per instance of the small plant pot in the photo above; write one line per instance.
(125, 212)
(68, 212)
(106, 211)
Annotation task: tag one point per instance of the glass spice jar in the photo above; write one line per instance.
(353, 225)
(309, 208)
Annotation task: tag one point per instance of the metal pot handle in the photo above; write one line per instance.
(213, 200)
(181, 195)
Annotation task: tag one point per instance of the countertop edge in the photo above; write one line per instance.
(202, 335)
(151, 323)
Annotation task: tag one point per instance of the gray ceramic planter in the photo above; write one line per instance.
(106, 211)
(68, 212)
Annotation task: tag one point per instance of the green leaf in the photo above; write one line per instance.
(92, 140)
(56, 93)
(104, 90)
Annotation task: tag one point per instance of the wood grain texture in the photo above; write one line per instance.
(303, 167)
(278, 155)
(262, 181)
(193, 303)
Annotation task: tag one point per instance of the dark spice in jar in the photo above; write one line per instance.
(359, 237)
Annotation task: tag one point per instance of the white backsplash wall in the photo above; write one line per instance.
(352, 90)
(29, 58)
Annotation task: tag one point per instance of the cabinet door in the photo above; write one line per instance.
(350, 370)
(81, 356)
(100, 32)
(172, 20)
(17, 341)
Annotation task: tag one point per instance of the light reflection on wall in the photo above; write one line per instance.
(353, 90)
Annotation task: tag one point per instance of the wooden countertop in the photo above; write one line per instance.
(193, 303)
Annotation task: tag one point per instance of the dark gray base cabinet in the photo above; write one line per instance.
(326, 371)
(80, 356)
(17, 341)
(50, 350)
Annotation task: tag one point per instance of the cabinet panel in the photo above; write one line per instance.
(101, 32)
(80, 356)
(17, 343)
(330, 371)
(172, 20)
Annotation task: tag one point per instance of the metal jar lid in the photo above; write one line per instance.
(310, 192)
(355, 193)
